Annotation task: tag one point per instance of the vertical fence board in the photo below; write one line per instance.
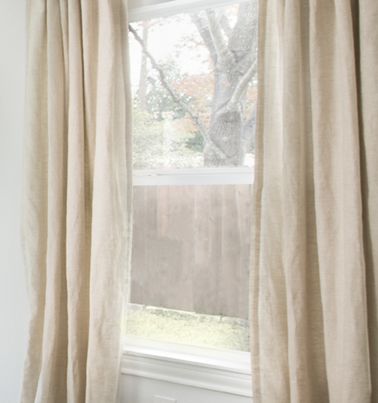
(204, 287)
(179, 243)
(216, 247)
(139, 268)
(244, 203)
(152, 270)
(230, 279)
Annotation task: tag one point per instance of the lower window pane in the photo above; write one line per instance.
(190, 264)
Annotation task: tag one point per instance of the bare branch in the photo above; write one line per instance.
(239, 90)
(242, 85)
(203, 29)
(176, 97)
(225, 24)
(246, 62)
(225, 56)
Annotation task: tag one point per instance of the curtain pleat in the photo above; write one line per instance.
(315, 236)
(76, 227)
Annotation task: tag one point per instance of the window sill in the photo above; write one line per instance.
(218, 370)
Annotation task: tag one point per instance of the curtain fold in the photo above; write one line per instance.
(314, 279)
(76, 226)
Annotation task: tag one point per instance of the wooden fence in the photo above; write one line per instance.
(191, 248)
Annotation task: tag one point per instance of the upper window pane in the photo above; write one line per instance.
(194, 88)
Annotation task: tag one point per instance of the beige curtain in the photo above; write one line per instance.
(76, 226)
(315, 254)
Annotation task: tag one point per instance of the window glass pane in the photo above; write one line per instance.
(191, 254)
(194, 91)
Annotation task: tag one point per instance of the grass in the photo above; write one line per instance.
(188, 327)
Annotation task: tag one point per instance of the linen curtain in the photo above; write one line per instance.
(76, 226)
(314, 271)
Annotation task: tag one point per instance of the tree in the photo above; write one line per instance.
(143, 71)
(158, 101)
(232, 50)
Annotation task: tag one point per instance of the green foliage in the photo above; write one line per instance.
(146, 132)
(195, 143)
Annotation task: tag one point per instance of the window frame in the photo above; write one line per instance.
(214, 369)
(165, 8)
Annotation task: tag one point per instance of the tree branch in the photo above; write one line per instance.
(203, 29)
(225, 56)
(242, 85)
(225, 24)
(231, 105)
(176, 97)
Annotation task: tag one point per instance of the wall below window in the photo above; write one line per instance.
(13, 301)
(143, 390)
(183, 373)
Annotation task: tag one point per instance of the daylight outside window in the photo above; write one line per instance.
(194, 105)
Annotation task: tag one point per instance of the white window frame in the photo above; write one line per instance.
(208, 368)
(193, 176)
(164, 8)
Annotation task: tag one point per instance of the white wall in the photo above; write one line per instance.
(143, 390)
(13, 301)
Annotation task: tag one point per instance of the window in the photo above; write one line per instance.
(194, 93)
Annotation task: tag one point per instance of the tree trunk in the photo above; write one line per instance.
(228, 128)
(142, 92)
(225, 127)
